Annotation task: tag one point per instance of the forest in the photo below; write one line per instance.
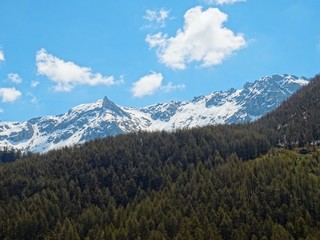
(251, 181)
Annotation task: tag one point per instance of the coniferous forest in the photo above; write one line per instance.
(252, 181)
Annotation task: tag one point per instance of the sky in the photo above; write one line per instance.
(57, 54)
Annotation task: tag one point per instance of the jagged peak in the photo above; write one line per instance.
(104, 117)
(278, 79)
(107, 103)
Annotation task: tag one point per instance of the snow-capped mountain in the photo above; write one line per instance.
(105, 118)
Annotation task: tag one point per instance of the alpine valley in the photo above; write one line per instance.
(105, 118)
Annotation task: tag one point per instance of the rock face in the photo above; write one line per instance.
(105, 118)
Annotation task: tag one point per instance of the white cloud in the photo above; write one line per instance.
(203, 39)
(147, 85)
(34, 84)
(67, 75)
(158, 17)
(170, 87)
(1, 110)
(157, 40)
(15, 78)
(9, 94)
(34, 100)
(221, 2)
(2, 59)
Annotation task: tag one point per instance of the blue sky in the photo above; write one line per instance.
(57, 54)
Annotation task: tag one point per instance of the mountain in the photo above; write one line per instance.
(105, 118)
(296, 121)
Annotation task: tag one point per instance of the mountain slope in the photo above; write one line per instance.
(188, 184)
(104, 118)
(296, 121)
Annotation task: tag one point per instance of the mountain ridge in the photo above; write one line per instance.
(221, 182)
(105, 118)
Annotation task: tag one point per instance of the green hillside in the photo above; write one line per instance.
(272, 197)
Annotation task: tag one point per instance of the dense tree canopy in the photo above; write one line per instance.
(9, 155)
(68, 196)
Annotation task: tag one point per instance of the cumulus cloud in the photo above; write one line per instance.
(147, 85)
(170, 87)
(203, 39)
(67, 75)
(157, 17)
(221, 2)
(9, 94)
(2, 59)
(15, 78)
(34, 83)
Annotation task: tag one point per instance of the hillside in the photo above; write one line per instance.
(189, 184)
(120, 196)
(105, 118)
(296, 121)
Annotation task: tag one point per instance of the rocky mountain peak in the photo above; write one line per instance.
(107, 104)
(105, 118)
